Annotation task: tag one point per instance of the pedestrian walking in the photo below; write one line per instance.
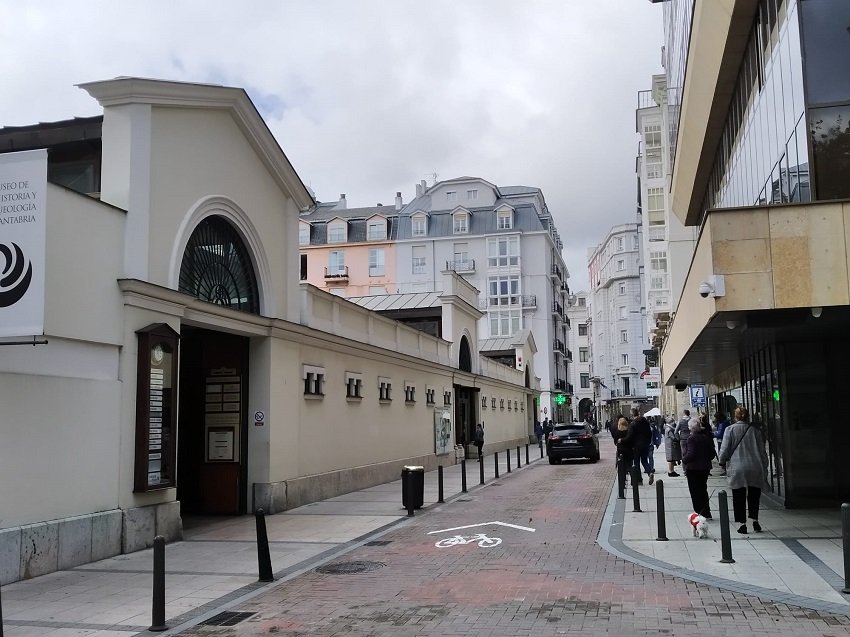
(639, 436)
(720, 424)
(672, 448)
(547, 429)
(538, 431)
(745, 458)
(625, 454)
(479, 438)
(697, 457)
(682, 430)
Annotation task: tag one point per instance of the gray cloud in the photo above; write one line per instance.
(369, 97)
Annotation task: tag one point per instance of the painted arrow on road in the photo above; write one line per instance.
(472, 526)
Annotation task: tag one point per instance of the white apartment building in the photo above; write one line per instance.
(580, 370)
(616, 321)
(502, 240)
(668, 245)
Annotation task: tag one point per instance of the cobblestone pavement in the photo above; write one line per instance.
(556, 580)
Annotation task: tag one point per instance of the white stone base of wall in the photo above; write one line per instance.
(37, 549)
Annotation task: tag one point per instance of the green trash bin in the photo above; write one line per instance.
(412, 487)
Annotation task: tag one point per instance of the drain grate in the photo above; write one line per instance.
(349, 568)
(227, 618)
(378, 542)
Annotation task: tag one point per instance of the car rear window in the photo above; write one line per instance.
(566, 429)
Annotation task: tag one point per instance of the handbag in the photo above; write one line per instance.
(731, 453)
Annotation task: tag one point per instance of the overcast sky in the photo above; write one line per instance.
(367, 97)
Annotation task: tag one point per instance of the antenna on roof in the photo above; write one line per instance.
(434, 176)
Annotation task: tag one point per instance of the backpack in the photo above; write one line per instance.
(656, 436)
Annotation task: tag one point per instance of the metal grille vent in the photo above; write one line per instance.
(349, 568)
(227, 618)
(217, 268)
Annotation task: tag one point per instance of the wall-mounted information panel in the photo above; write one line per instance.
(156, 408)
(222, 414)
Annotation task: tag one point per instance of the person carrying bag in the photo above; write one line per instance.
(743, 453)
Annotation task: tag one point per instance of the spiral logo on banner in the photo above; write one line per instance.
(14, 281)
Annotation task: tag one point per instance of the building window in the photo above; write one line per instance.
(314, 380)
(621, 265)
(353, 386)
(505, 322)
(584, 381)
(619, 244)
(418, 226)
(336, 263)
(583, 355)
(503, 291)
(624, 359)
(303, 272)
(451, 195)
(460, 223)
(635, 242)
(429, 395)
(623, 313)
(582, 301)
(626, 389)
(337, 232)
(622, 290)
(385, 388)
(376, 262)
(303, 234)
(504, 220)
(624, 336)
(409, 393)
(472, 194)
(377, 229)
(503, 252)
(418, 265)
(582, 329)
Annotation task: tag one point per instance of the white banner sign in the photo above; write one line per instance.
(23, 210)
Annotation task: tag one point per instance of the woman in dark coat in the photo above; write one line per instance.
(699, 452)
(625, 454)
(672, 448)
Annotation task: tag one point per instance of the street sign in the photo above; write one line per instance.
(697, 395)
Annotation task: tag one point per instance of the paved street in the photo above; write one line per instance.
(554, 580)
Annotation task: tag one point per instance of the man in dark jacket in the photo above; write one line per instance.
(639, 437)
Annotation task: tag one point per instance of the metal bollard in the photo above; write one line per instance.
(496, 462)
(409, 492)
(264, 559)
(725, 540)
(659, 505)
(518, 464)
(481, 467)
(158, 607)
(463, 475)
(845, 533)
(508, 456)
(440, 483)
(526, 462)
(540, 444)
(635, 494)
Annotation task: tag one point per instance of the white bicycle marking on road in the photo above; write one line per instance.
(483, 540)
(472, 526)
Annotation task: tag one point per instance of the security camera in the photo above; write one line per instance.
(714, 286)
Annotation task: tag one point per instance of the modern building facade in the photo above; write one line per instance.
(759, 99)
(580, 371)
(501, 239)
(159, 356)
(616, 325)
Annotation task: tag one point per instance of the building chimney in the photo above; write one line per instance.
(418, 190)
(342, 204)
(398, 201)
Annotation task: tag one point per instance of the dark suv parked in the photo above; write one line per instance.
(572, 440)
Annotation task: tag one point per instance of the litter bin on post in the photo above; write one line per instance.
(412, 487)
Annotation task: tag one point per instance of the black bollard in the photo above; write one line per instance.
(496, 462)
(659, 506)
(518, 464)
(845, 533)
(158, 610)
(526, 462)
(725, 539)
(409, 492)
(635, 493)
(264, 560)
(440, 483)
(481, 467)
(540, 444)
(508, 458)
(463, 475)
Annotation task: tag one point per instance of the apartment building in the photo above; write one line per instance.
(759, 104)
(583, 399)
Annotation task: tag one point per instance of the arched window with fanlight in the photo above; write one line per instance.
(465, 355)
(217, 268)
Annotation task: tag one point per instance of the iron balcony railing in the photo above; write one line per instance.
(558, 346)
(560, 384)
(529, 300)
(569, 355)
(336, 273)
(461, 265)
(556, 271)
(557, 309)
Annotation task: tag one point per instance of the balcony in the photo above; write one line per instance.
(569, 355)
(461, 266)
(567, 320)
(570, 388)
(558, 346)
(529, 301)
(657, 233)
(556, 272)
(557, 309)
(336, 274)
(560, 384)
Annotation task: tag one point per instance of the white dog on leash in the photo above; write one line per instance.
(699, 524)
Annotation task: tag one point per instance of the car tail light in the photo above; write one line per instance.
(554, 437)
(585, 437)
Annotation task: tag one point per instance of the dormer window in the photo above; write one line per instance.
(376, 229)
(461, 223)
(418, 225)
(337, 231)
(504, 219)
(304, 234)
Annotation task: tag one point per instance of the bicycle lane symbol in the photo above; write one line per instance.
(483, 540)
